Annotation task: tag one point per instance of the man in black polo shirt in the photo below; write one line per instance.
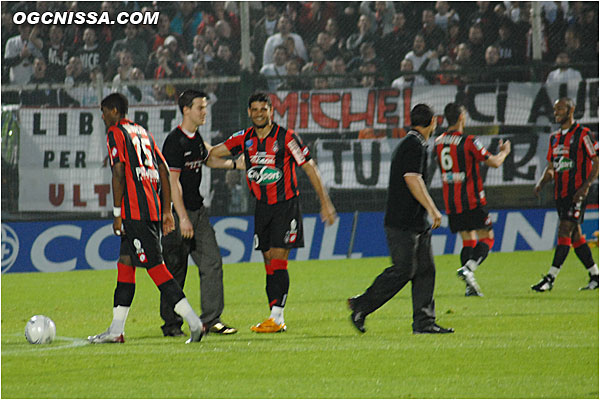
(185, 151)
(408, 232)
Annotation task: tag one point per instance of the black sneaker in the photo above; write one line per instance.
(545, 284)
(174, 332)
(592, 284)
(357, 317)
(433, 328)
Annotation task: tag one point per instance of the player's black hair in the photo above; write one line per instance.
(421, 115)
(186, 98)
(116, 100)
(260, 96)
(569, 101)
(452, 112)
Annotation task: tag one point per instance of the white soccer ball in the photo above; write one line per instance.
(40, 330)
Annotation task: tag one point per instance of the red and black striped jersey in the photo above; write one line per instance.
(459, 156)
(571, 156)
(131, 144)
(270, 162)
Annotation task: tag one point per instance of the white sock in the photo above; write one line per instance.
(553, 271)
(593, 270)
(186, 311)
(277, 314)
(472, 265)
(119, 317)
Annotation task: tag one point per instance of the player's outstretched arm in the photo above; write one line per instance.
(497, 160)
(328, 213)
(215, 158)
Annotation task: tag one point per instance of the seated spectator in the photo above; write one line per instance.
(136, 45)
(435, 37)
(186, 21)
(329, 49)
(275, 71)
(168, 67)
(124, 69)
(476, 45)
(455, 37)
(224, 64)
(53, 50)
(317, 64)
(88, 95)
(332, 29)
(381, 18)
(395, 45)
(363, 34)
(159, 95)
(90, 54)
(138, 93)
(224, 36)
(285, 30)
(265, 27)
(444, 15)
(292, 53)
(163, 31)
(313, 17)
(447, 78)
(320, 83)
(366, 54)
(463, 62)
(75, 74)
(44, 97)
(563, 73)
(341, 78)
(485, 18)
(422, 59)
(19, 54)
(293, 80)
(493, 73)
(510, 53)
(408, 80)
(177, 54)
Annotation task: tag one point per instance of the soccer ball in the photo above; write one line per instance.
(40, 330)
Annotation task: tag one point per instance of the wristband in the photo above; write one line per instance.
(234, 166)
(116, 212)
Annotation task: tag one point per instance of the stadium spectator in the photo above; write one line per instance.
(317, 64)
(421, 58)
(371, 77)
(43, 97)
(275, 71)
(322, 83)
(90, 54)
(185, 151)
(172, 44)
(492, 72)
(224, 36)
(124, 69)
(408, 80)
(341, 79)
(74, 73)
(136, 45)
(53, 50)
(325, 42)
(265, 27)
(160, 95)
(366, 54)
(510, 51)
(186, 21)
(138, 93)
(381, 17)
(363, 34)
(332, 28)
(444, 15)
(435, 37)
(293, 79)
(278, 219)
(9, 29)
(163, 31)
(408, 232)
(564, 74)
(285, 30)
(312, 19)
(476, 46)
(485, 17)
(197, 55)
(455, 37)
(141, 217)
(292, 53)
(448, 77)
(463, 62)
(572, 177)
(19, 55)
(224, 63)
(459, 156)
(168, 67)
(395, 45)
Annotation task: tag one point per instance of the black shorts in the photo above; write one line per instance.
(570, 211)
(141, 242)
(472, 220)
(278, 225)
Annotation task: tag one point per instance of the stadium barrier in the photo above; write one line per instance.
(79, 245)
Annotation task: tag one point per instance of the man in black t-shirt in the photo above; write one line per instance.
(408, 232)
(185, 151)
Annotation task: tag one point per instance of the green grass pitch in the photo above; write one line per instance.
(512, 343)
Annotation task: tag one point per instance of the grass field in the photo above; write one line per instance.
(512, 343)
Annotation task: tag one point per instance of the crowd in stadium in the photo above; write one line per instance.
(363, 44)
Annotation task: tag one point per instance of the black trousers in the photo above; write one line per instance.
(412, 260)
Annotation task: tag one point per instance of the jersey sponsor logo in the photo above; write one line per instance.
(263, 175)
(187, 153)
(563, 164)
(262, 158)
(193, 164)
(589, 146)
(296, 152)
(560, 150)
(453, 177)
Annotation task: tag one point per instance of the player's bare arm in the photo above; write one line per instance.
(185, 225)
(497, 160)
(582, 192)
(328, 213)
(167, 215)
(547, 176)
(217, 161)
(417, 188)
(118, 186)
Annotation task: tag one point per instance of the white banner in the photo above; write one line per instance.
(344, 110)
(365, 163)
(63, 164)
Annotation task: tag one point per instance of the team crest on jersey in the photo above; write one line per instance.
(139, 250)
(275, 147)
(113, 152)
(292, 234)
(249, 143)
